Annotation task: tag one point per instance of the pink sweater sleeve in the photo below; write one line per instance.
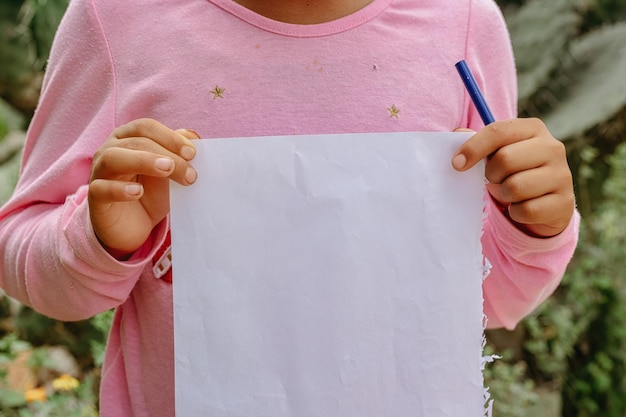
(524, 270)
(51, 259)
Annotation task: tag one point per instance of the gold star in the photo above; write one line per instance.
(217, 92)
(393, 112)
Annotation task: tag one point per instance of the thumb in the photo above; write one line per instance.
(459, 160)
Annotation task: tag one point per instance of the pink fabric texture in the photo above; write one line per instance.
(224, 71)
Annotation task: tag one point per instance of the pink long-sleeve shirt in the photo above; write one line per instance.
(224, 71)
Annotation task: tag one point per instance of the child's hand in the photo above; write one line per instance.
(129, 184)
(527, 172)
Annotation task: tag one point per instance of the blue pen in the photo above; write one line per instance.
(474, 92)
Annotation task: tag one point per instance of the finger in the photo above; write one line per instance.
(494, 191)
(120, 163)
(459, 160)
(514, 158)
(525, 155)
(105, 192)
(124, 164)
(493, 137)
(169, 139)
(529, 184)
(547, 215)
(189, 133)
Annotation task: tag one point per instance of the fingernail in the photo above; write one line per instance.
(191, 175)
(193, 132)
(459, 161)
(164, 164)
(133, 189)
(187, 152)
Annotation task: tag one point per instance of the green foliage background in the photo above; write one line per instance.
(569, 357)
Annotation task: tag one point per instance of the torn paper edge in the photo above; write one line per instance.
(486, 359)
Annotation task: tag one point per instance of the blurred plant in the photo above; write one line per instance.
(576, 340)
(27, 31)
(33, 393)
(508, 384)
(572, 78)
(571, 57)
(71, 399)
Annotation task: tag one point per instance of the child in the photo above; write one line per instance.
(86, 229)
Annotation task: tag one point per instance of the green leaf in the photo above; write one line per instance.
(11, 399)
(17, 54)
(9, 172)
(540, 32)
(597, 86)
(46, 17)
(10, 119)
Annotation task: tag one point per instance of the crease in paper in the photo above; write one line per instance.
(334, 275)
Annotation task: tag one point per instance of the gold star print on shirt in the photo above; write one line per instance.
(393, 112)
(218, 92)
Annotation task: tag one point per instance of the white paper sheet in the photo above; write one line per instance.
(329, 276)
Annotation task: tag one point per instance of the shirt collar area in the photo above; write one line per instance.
(343, 24)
